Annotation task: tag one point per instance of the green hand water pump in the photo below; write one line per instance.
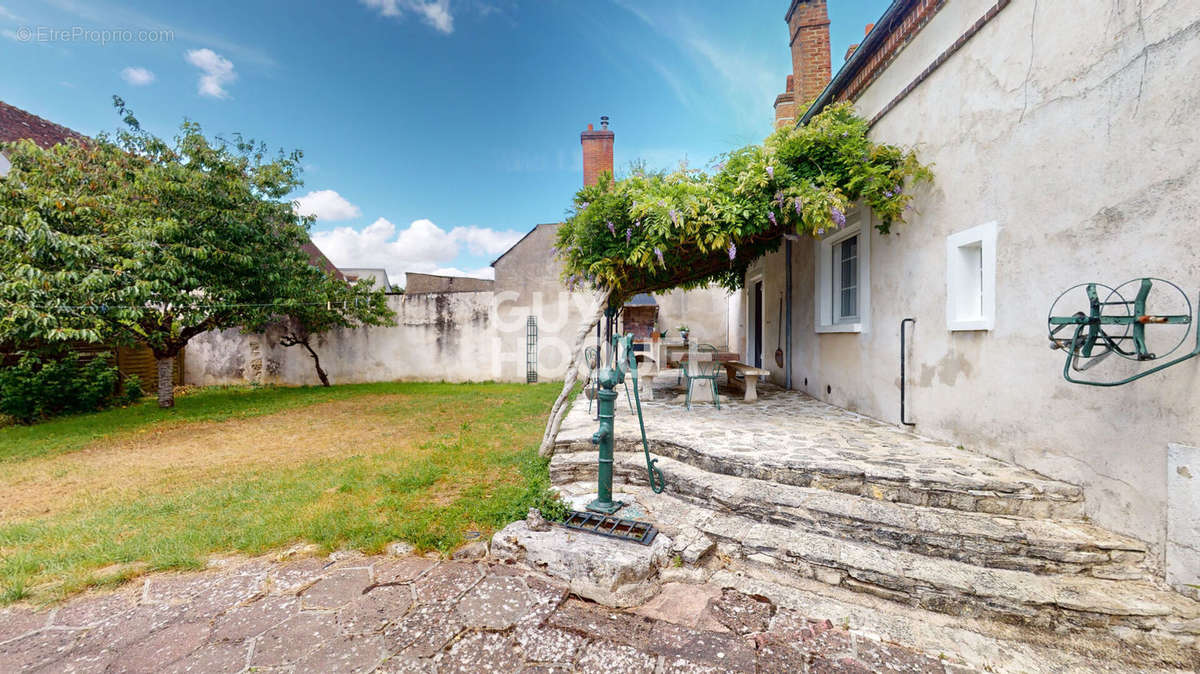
(620, 361)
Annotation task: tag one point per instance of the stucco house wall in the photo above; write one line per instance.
(1074, 131)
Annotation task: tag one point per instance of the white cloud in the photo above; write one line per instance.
(5, 14)
(137, 76)
(421, 247)
(218, 72)
(326, 205)
(482, 272)
(436, 13)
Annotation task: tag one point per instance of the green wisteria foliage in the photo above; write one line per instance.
(689, 228)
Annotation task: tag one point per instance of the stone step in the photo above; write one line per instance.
(1055, 602)
(834, 450)
(984, 645)
(994, 541)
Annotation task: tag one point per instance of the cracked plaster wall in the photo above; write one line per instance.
(436, 337)
(1073, 127)
(461, 336)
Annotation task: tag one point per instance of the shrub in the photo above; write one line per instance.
(42, 385)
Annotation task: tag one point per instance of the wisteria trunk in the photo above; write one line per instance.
(559, 410)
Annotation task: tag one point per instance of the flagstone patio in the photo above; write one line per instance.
(353, 613)
(792, 438)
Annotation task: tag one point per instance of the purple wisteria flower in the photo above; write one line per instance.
(628, 235)
(658, 252)
(889, 194)
(732, 250)
(612, 228)
(638, 223)
(674, 217)
(720, 166)
(839, 217)
(798, 205)
(662, 202)
(771, 217)
(771, 172)
(583, 206)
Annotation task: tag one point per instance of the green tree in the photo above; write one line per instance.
(135, 239)
(316, 302)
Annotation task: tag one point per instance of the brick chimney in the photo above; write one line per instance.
(597, 152)
(785, 105)
(808, 28)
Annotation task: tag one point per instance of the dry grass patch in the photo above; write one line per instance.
(164, 458)
(417, 462)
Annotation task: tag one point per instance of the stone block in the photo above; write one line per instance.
(608, 571)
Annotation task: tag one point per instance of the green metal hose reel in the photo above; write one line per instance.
(621, 360)
(1107, 322)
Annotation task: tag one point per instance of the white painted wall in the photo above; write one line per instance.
(437, 337)
(461, 336)
(1075, 132)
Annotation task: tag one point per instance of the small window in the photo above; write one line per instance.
(971, 278)
(842, 288)
(845, 281)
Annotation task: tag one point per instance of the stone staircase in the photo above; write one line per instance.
(836, 500)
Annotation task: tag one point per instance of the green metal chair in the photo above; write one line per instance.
(591, 358)
(702, 365)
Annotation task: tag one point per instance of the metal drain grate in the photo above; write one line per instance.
(613, 527)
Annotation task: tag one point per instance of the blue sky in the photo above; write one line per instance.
(435, 132)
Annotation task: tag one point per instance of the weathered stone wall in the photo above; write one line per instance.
(1074, 131)
(448, 336)
(437, 337)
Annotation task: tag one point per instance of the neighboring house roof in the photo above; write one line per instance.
(17, 124)
(416, 284)
(317, 259)
(376, 274)
(522, 239)
(642, 300)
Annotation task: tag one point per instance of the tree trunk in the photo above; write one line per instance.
(166, 381)
(559, 410)
(317, 363)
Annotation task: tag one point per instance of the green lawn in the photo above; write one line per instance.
(100, 498)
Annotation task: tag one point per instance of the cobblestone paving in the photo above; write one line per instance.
(351, 613)
(789, 430)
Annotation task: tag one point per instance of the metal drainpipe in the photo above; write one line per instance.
(903, 384)
(787, 294)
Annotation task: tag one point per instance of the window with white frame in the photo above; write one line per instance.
(845, 280)
(842, 285)
(971, 278)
